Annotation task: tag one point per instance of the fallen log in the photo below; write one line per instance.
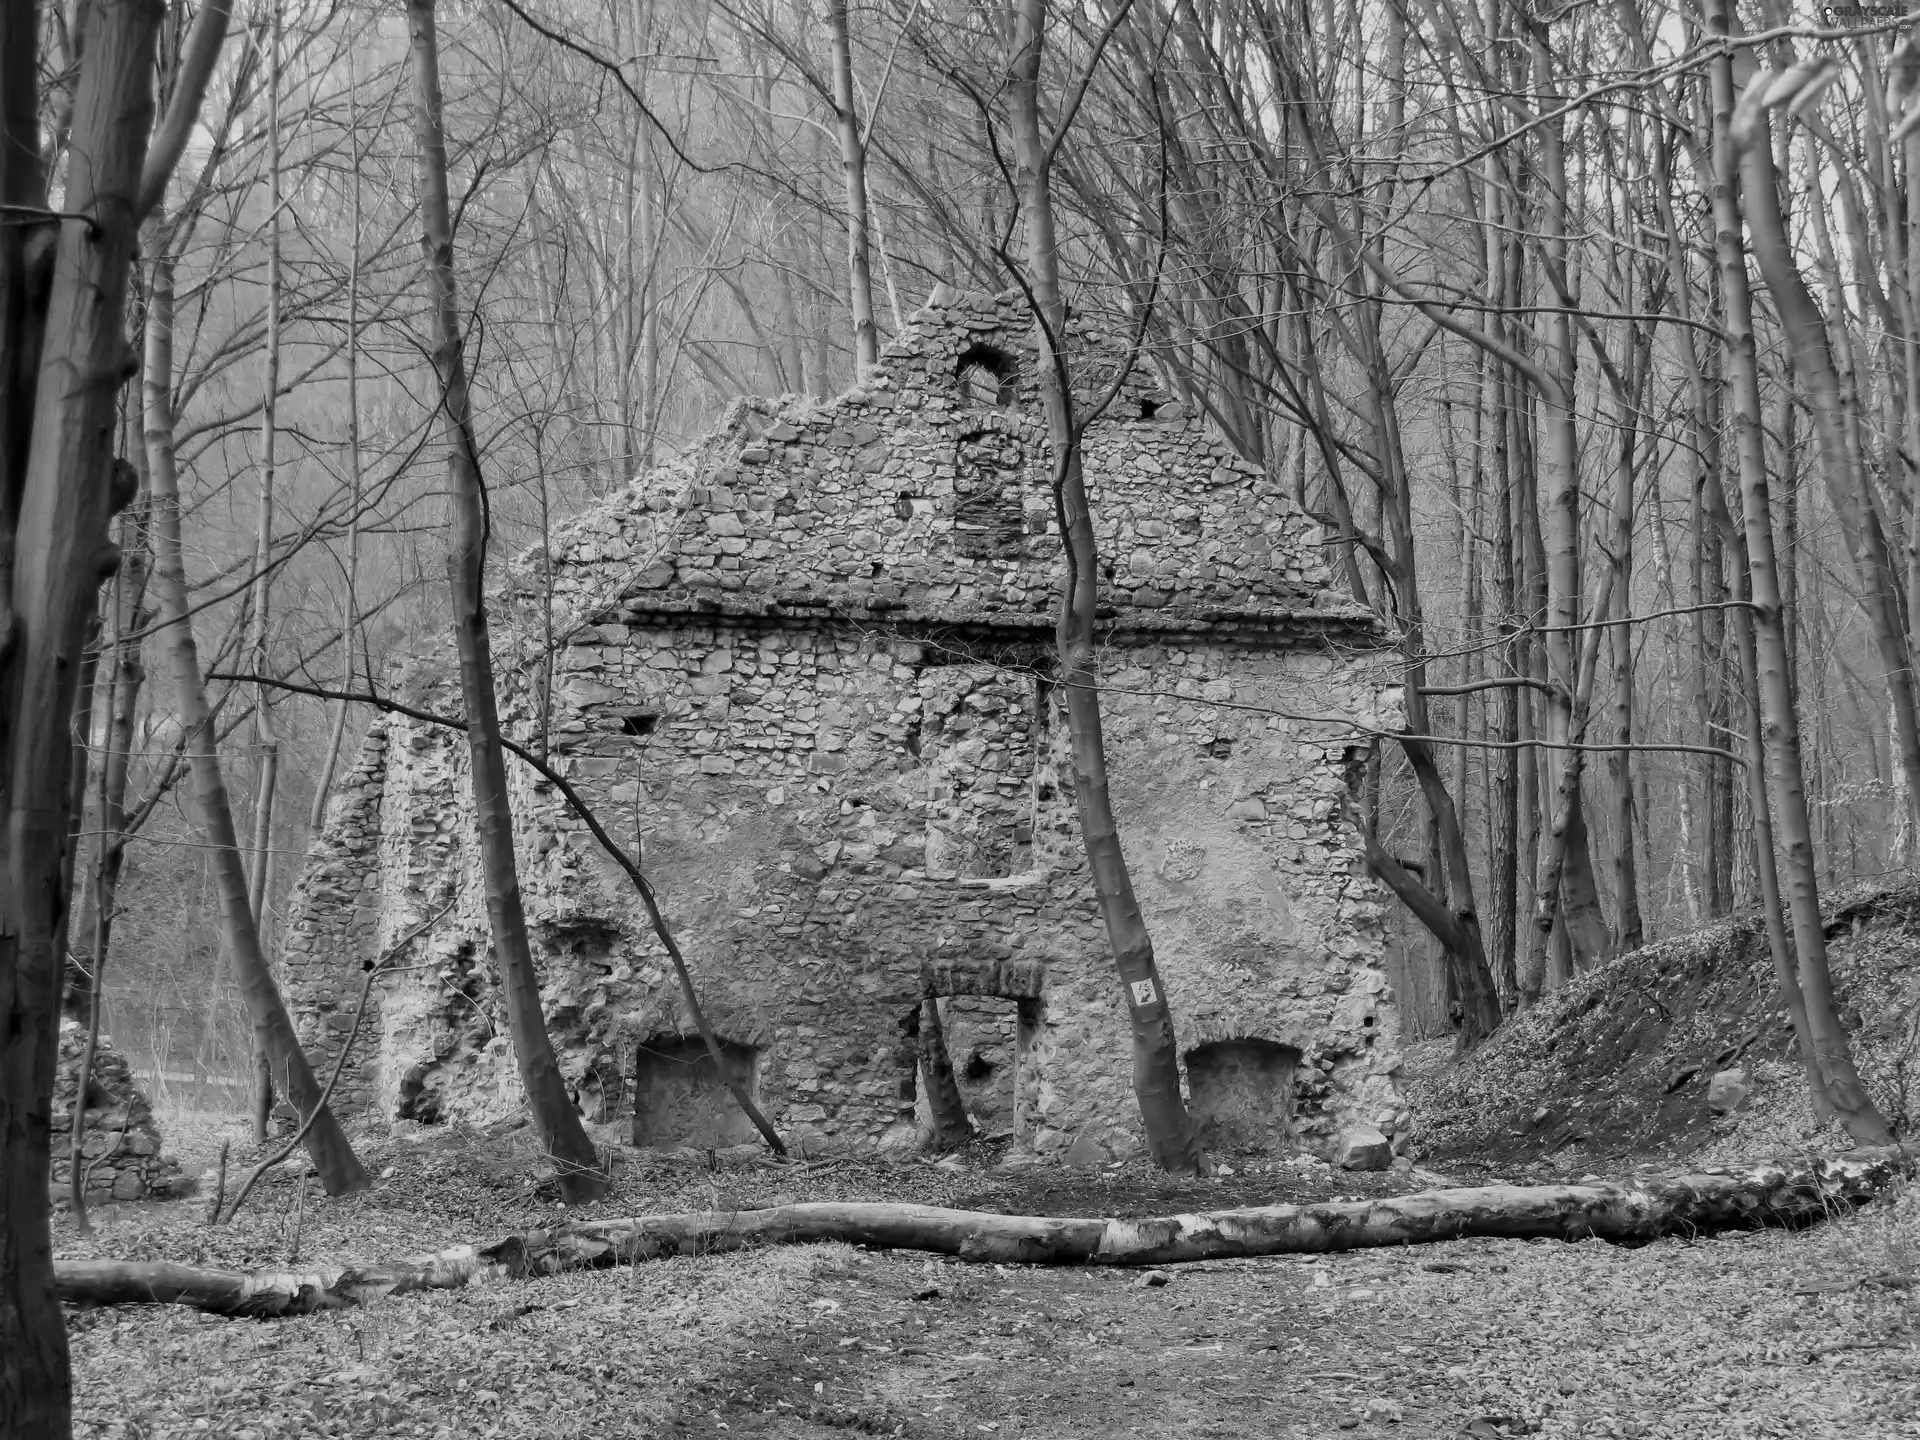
(1780, 1192)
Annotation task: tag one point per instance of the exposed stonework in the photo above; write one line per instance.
(121, 1157)
(808, 665)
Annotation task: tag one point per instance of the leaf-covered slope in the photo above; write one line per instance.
(1619, 1062)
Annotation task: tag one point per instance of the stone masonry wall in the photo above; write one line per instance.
(120, 1151)
(806, 671)
(336, 909)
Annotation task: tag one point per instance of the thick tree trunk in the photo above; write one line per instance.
(951, 1127)
(1171, 1135)
(59, 493)
(1755, 168)
(582, 1176)
(340, 1169)
(1589, 941)
(1469, 981)
(62, 362)
(1786, 1192)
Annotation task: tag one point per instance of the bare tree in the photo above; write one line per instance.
(62, 347)
(853, 166)
(582, 1176)
(1171, 1135)
(1743, 188)
(340, 1169)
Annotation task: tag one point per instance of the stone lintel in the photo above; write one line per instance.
(1009, 979)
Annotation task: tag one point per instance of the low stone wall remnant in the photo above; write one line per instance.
(121, 1157)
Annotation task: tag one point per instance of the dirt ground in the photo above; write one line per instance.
(1767, 1334)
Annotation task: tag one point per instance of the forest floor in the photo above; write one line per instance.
(1750, 1334)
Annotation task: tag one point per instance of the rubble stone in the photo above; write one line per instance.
(120, 1154)
(1728, 1091)
(1365, 1148)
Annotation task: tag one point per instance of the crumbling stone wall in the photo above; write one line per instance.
(336, 906)
(120, 1151)
(807, 669)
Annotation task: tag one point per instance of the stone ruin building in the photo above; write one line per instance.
(807, 664)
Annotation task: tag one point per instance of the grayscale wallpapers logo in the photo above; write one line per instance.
(1835, 16)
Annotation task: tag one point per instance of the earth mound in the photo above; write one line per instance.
(1621, 1062)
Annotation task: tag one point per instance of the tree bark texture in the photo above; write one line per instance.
(58, 493)
(582, 1176)
(1786, 1193)
(853, 171)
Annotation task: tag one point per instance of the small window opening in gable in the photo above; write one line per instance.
(987, 377)
(903, 505)
(1149, 409)
(639, 723)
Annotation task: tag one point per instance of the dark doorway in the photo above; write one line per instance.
(1243, 1093)
(987, 1037)
(679, 1098)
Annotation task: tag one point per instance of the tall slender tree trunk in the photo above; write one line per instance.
(1578, 910)
(1171, 1135)
(1737, 177)
(125, 677)
(853, 174)
(582, 1176)
(1834, 411)
(1504, 814)
(1626, 879)
(349, 605)
(340, 1169)
(266, 742)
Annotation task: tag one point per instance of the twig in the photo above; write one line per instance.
(118, 1136)
(299, 1219)
(219, 1185)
